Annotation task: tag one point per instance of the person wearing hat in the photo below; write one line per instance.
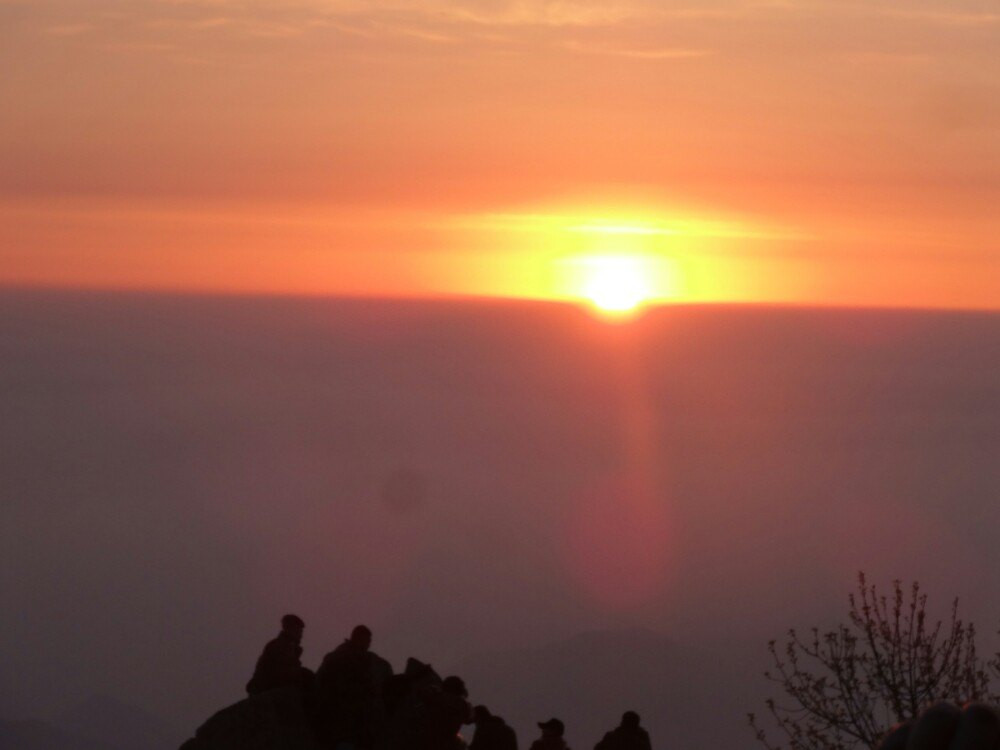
(280, 663)
(626, 736)
(552, 736)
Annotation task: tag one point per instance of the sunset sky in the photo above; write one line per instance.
(404, 312)
(799, 151)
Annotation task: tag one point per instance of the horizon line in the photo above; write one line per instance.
(652, 306)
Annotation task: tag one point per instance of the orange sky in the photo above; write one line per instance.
(838, 152)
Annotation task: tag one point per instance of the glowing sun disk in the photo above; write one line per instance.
(615, 284)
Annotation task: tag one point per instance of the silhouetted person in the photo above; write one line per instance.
(346, 687)
(346, 665)
(448, 710)
(401, 686)
(492, 732)
(552, 736)
(409, 700)
(626, 736)
(280, 663)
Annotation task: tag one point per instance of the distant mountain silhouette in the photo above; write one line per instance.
(39, 735)
(272, 720)
(98, 723)
(122, 724)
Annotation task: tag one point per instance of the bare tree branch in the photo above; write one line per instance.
(847, 687)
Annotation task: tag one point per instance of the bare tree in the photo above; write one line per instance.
(995, 663)
(843, 689)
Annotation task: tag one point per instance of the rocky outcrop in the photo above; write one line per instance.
(407, 711)
(274, 720)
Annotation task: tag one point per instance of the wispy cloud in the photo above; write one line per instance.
(139, 47)
(663, 53)
(955, 13)
(943, 16)
(510, 13)
(69, 29)
(872, 32)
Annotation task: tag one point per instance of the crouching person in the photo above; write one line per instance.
(492, 732)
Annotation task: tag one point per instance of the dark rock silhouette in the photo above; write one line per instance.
(948, 727)
(272, 720)
(355, 701)
(358, 702)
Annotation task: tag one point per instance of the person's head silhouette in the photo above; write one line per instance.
(361, 637)
(630, 720)
(292, 627)
(552, 728)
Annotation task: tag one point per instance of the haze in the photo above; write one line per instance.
(179, 471)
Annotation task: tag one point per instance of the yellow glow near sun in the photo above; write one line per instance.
(617, 262)
(620, 267)
(618, 285)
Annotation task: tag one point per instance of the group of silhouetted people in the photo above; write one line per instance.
(355, 701)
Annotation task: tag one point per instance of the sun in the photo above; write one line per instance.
(616, 285)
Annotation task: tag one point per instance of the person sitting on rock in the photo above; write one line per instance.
(347, 665)
(280, 663)
(552, 736)
(626, 736)
(492, 732)
(346, 688)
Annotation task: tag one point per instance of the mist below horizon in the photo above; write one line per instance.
(180, 471)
